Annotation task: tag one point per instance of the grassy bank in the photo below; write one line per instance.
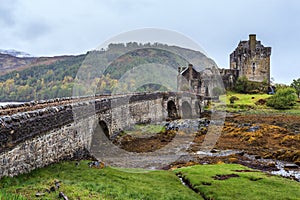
(83, 182)
(230, 181)
(253, 104)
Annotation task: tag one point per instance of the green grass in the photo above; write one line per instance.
(247, 104)
(4, 195)
(91, 183)
(246, 99)
(249, 185)
(145, 129)
(82, 182)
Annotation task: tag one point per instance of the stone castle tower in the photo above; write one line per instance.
(251, 59)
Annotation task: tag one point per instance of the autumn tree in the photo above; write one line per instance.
(296, 85)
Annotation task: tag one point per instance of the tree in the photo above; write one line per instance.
(285, 98)
(241, 85)
(296, 85)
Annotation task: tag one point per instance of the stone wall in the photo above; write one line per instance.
(66, 142)
(38, 138)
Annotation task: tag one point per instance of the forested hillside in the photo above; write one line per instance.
(56, 78)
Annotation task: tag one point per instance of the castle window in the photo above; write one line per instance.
(253, 67)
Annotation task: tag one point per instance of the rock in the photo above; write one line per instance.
(243, 125)
(57, 184)
(96, 164)
(52, 189)
(242, 153)
(7, 119)
(233, 160)
(271, 164)
(257, 157)
(253, 128)
(47, 190)
(62, 195)
(214, 151)
(290, 166)
(39, 194)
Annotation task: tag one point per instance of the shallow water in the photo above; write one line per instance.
(280, 165)
(6, 103)
(218, 153)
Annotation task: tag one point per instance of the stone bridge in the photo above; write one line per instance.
(36, 138)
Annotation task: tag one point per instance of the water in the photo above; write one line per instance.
(218, 153)
(6, 103)
(280, 165)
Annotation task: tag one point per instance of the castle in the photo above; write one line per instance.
(250, 59)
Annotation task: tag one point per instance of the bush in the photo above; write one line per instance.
(243, 85)
(296, 84)
(285, 98)
(232, 99)
(261, 102)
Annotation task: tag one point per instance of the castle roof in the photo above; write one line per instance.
(245, 44)
(197, 69)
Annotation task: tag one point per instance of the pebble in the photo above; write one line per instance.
(39, 194)
(253, 128)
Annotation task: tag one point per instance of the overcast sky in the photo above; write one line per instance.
(55, 27)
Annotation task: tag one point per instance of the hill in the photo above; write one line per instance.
(9, 63)
(26, 79)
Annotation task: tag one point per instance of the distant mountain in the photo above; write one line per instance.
(9, 62)
(15, 53)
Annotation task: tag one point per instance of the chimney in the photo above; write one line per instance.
(252, 42)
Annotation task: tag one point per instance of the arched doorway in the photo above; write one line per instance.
(186, 110)
(172, 110)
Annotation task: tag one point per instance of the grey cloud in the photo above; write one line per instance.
(33, 30)
(6, 13)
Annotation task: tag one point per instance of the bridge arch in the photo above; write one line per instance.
(104, 128)
(186, 110)
(172, 110)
